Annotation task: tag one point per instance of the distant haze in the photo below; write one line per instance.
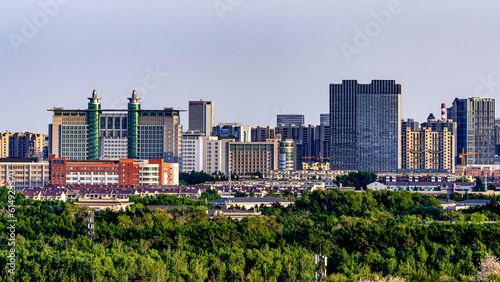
(254, 58)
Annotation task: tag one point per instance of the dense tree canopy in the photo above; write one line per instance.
(363, 234)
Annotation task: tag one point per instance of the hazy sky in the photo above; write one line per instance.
(254, 58)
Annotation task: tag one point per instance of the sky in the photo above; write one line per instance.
(255, 59)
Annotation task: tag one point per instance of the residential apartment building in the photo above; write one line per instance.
(365, 126)
(113, 172)
(475, 118)
(201, 116)
(289, 119)
(250, 157)
(97, 133)
(262, 133)
(214, 154)
(21, 145)
(25, 173)
(431, 147)
(202, 153)
(192, 151)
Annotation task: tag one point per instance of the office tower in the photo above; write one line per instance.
(261, 133)
(431, 147)
(365, 123)
(21, 145)
(324, 118)
(475, 118)
(201, 116)
(497, 136)
(132, 133)
(286, 158)
(314, 140)
(236, 131)
(288, 119)
(244, 158)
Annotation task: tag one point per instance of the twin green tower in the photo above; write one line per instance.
(94, 110)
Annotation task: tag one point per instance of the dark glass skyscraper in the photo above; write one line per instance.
(475, 118)
(365, 122)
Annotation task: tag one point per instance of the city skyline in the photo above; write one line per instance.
(284, 62)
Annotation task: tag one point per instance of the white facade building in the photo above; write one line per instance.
(114, 148)
(192, 151)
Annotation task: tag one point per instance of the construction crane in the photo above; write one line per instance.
(317, 165)
(462, 156)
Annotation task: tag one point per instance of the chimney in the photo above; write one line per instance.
(443, 110)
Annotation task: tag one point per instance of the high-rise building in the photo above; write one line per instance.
(261, 133)
(475, 118)
(288, 119)
(192, 151)
(431, 147)
(21, 145)
(365, 126)
(131, 133)
(201, 116)
(497, 136)
(324, 118)
(286, 156)
(314, 140)
(236, 131)
(202, 153)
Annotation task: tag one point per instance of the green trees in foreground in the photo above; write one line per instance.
(365, 235)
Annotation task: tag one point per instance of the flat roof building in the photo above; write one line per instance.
(365, 126)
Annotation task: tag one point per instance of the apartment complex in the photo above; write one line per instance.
(262, 133)
(96, 133)
(25, 173)
(21, 145)
(365, 126)
(475, 118)
(251, 157)
(108, 172)
(201, 116)
(429, 147)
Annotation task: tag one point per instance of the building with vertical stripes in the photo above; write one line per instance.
(201, 116)
(475, 118)
(95, 133)
(365, 123)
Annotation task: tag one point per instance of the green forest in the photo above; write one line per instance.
(364, 235)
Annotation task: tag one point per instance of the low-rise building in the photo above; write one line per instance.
(248, 203)
(25, 173)
(113, 172)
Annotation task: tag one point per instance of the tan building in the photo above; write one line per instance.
(430, 147)
(26, 174)
(250, 157)
(21, 145)
(214, 151)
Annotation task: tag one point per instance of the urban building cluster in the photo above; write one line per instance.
(363, 130)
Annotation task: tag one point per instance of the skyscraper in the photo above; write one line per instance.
(365, 122)
(133, 133)
(289, 119)
(475, 118)
(324, 118)
(201, 116)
